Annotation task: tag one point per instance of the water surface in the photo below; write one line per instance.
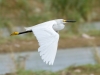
(64, 58)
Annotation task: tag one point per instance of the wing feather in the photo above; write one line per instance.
(48, 41)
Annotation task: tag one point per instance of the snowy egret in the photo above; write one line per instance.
(47, 35)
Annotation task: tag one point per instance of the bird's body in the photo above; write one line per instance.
(47, 36)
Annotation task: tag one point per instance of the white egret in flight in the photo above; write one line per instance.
(47, 35)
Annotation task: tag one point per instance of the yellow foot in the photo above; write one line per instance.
(15, 33)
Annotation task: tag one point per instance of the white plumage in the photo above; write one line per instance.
(48, 39)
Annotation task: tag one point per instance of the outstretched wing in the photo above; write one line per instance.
(48, 41)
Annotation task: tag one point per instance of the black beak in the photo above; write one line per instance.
(70, 21)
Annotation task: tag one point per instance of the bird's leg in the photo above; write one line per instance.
(18, 33)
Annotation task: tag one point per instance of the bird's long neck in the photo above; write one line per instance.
(58, 27)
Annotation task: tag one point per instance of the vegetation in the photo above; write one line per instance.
(76, 9)
(79, 10)
(73, 70)
(30, 12)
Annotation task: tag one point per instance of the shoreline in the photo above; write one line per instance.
(32, 44)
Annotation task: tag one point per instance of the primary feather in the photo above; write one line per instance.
(48, 40)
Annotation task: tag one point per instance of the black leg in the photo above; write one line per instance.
(25, 32)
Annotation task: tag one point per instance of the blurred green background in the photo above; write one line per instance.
(17, 14)
(31, 12)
